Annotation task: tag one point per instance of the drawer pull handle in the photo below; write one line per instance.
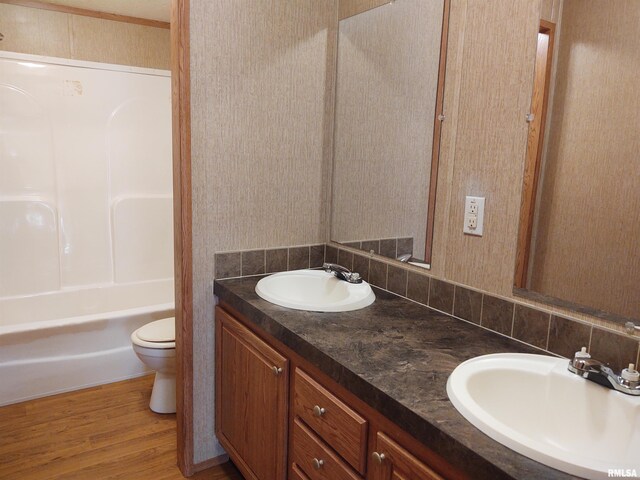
(378, 457)
(318, 411)
(317, 464)
(276, 370)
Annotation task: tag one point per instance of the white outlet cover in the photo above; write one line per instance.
(470, 205)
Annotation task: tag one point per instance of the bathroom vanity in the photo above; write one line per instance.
(351, 395)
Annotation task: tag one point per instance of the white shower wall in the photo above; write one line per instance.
(85, 175)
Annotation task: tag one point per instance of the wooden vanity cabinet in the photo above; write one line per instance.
(326, 434)
(252, 387)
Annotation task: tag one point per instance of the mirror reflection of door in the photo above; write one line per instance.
(535, 141)
(578, 240)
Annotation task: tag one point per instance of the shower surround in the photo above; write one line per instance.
(86, 227)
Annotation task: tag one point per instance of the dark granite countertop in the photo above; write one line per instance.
(396, 355)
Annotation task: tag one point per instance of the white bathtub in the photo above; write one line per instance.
(71, 339)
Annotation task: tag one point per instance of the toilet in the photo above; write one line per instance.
(155, 345)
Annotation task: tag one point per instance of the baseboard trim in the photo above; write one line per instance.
(212, 462)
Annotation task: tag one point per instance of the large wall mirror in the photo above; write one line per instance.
(390, 76)
(580, 220)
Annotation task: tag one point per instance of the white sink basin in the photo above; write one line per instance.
(314, 290)
(535, 406)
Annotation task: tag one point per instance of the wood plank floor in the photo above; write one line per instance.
(105, 432)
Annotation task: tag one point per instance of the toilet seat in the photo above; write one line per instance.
(160, 334)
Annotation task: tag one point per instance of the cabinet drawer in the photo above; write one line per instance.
(315, 458)
(297, 474)
(390, 461)
(337, 424)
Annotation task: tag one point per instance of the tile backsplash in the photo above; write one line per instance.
(386, 247)
(258, 262)
(556, 334)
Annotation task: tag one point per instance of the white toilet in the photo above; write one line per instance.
(155, 345)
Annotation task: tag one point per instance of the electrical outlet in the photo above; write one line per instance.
(473, 216)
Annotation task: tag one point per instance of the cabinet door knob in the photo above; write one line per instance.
(276, 370)
(318, 411)
(378, 457)
(317, 464)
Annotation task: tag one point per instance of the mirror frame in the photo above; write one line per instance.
(438, 118)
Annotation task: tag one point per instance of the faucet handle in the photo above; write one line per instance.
(581, 362)
(630, 374)
(582, 354)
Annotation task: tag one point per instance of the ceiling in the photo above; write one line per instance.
(149, 9)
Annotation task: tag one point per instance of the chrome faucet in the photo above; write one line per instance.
(586, 367)
(342, 273)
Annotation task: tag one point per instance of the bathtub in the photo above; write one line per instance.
(72, 339)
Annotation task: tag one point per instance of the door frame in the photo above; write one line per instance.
(533, 160)
(182, 218)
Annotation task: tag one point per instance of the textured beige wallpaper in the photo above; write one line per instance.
(549, 10)
(387, 82)
(589, 219)
(487, 95)
(259, 76)
(43, 32)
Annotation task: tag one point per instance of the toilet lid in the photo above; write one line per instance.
(159, 331)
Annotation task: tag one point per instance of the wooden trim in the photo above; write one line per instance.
(88, 13)
(181, 115)
(533, 161)
(212, 462)
(437, 131)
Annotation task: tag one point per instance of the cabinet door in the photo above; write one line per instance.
(390, 461)
(251, 400)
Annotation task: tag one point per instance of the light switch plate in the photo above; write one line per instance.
(473, 216)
